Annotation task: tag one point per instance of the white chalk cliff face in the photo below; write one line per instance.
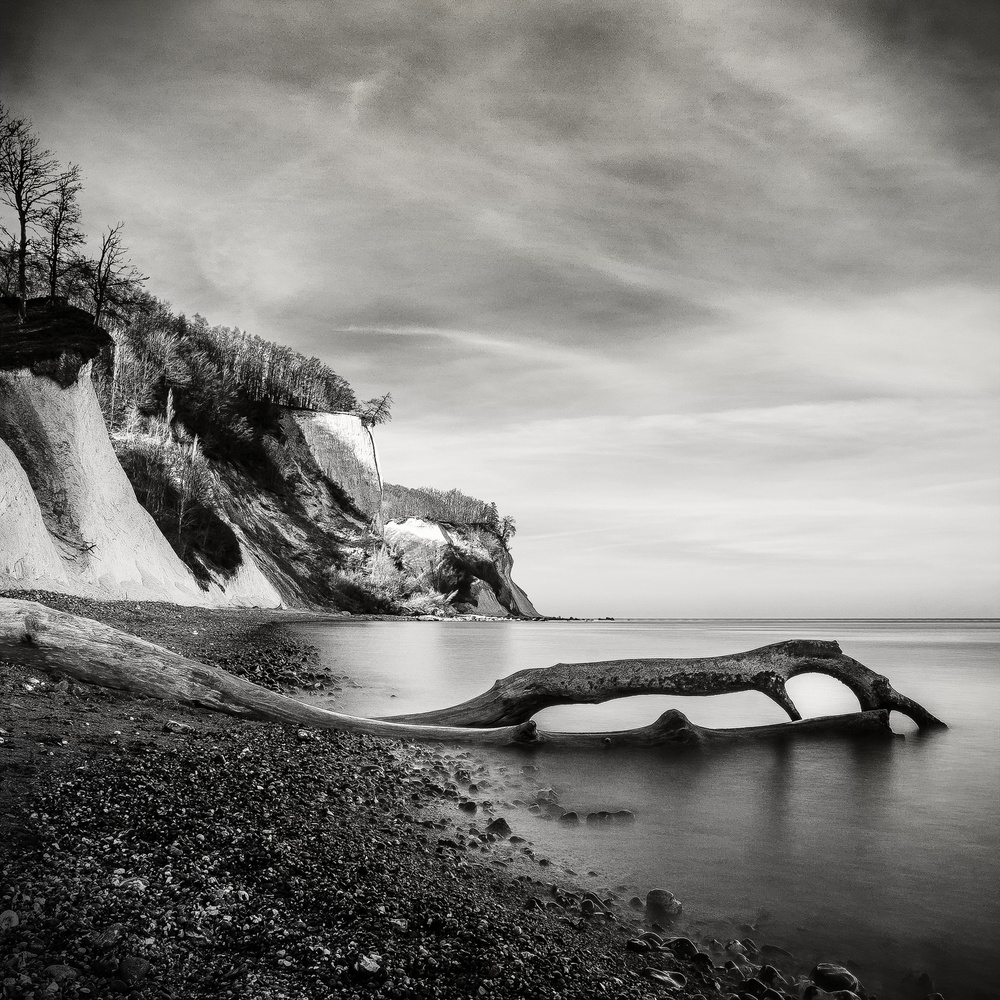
(70, 519)
(344, 450)
(29, 559)
(419, 543)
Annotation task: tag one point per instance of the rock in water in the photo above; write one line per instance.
(662, 906)
(682, 947)
(830, 977)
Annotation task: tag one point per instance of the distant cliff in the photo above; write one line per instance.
(471, 560)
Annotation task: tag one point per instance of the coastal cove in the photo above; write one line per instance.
(875, 852)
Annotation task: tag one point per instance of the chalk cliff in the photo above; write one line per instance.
(95, 537)
(301, 525)
(344, 451)
(29, 559)
(470, 558)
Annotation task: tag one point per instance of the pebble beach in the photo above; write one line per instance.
(152, 850)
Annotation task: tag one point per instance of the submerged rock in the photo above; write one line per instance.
(662, 906)
(829, 977)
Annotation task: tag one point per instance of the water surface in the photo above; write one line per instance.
(883, 854)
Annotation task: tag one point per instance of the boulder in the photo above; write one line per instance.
(662, 906)
(830, 977)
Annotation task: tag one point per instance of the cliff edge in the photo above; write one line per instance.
(469, 561)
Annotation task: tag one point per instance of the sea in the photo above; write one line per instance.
(880, 854)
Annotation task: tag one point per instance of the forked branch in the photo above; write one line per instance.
(517, 697)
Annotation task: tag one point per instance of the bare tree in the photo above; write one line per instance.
(29, 177)
(60, 226)
(376, 411)
(111, 279)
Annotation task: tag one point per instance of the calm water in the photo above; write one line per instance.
(882, 854)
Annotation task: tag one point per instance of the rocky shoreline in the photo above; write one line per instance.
(156, 851)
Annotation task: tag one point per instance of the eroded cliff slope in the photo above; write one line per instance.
(277, 506)
(343, 449)
(82, 527)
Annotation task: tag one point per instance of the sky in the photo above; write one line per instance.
(704, 292)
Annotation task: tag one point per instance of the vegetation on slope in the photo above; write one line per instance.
(448, 506)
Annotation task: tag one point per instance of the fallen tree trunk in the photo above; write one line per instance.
(520, 695)
(62, 644)
(57, 643)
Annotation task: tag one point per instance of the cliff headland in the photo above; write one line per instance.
(185, 463)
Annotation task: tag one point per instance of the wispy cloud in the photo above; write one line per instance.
(697, 276)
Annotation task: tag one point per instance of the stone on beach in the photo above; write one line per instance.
(662, 906)
(828, 976)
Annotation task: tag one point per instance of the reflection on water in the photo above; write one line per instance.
(882, 853)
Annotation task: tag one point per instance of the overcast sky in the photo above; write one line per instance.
(703, 292)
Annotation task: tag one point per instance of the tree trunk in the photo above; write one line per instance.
(57, 643)
(22, 267)
(674, 730)
(61, 644)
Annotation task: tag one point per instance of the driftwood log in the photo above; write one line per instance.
(53, 642)
(56, 643)
(517, 697)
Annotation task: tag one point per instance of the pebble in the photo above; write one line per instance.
(133, 969)
(61, 973)
(675, 980)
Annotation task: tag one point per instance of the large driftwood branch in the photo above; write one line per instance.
(517, 697)
(57, 643)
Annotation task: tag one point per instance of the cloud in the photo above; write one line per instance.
(689, 286)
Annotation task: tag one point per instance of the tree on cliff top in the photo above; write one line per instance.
(111, 279)
(375, 411)
(29, 178)
(60, 227)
